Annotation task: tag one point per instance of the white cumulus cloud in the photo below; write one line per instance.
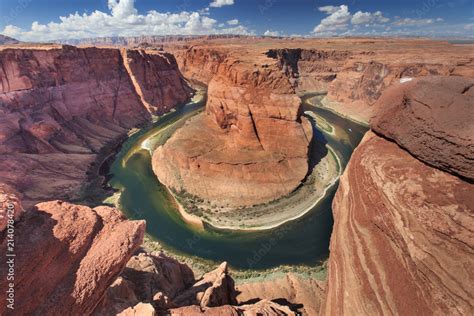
(416, 22)
(271, 33)
(341, 21)
(336, 21)
(123, 19)
(233, 22)
(221, 3)
(368, 18)
(329, 9)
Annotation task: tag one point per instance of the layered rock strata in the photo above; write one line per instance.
(251, 132)
(66, 257)
(355, 80)
(60, 108)
(433, 119)
(353, 72)
(402, 240)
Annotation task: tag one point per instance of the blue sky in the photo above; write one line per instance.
(42, 20)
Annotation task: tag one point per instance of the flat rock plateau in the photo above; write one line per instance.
(402, 241)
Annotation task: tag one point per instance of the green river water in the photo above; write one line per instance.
(304, 241)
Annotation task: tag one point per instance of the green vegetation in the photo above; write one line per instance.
(200, 266)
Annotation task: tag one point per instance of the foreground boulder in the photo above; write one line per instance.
(401, 242)
(158, 277)
(67, 256)
(166, 283)
(215, 288)
(433, 119)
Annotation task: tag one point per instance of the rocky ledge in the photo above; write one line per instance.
(402, 239)
(153, 283)
(66, 256)
(433, 119)
(249, 147)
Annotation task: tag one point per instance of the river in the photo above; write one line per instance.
(304, 241)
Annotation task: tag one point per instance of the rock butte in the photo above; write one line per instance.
(251, 133)
(402, 240)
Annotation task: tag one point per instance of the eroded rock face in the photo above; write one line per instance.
(153, 274)
(402, 240)
(251, 133)
(165, 283)
(311, 70)
(262, 307)
(433, 119)
(156, 79)
(200, 63)
(61, 108)
(306, 293)
(364, 77)
(11, 207)
(215, 288)
(67, 256)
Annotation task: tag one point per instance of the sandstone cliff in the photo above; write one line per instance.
(355, 72)
(402, 238)
(61, 107)
(252, 133)
(66, 257)
(433, 119)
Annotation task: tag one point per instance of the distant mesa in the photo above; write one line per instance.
(6, 40)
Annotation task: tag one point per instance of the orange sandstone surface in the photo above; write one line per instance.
(402, 241)
(353, 71)
(252, 131)
(66, 257)
(251, 144)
